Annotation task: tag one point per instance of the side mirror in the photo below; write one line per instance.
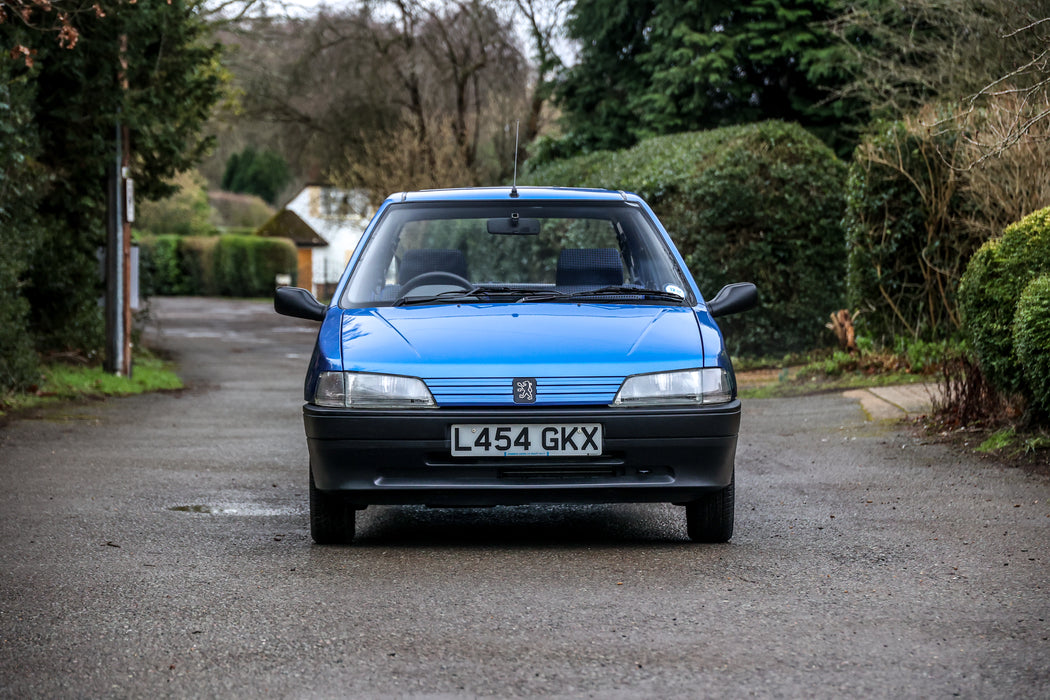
(293, 301)
(732, 299)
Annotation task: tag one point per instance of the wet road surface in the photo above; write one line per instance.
(159, 545)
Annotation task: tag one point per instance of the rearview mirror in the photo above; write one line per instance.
(298, 303)
(732, 299)
(515, 225)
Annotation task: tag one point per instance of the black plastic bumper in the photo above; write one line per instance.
(404, 457)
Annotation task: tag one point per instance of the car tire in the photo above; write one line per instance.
(710, 519)
(332, 519)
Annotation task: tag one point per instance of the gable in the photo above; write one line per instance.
(288, 224)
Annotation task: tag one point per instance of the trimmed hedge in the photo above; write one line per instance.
(989, 292)
(1032, 340)
(241, 266)
(758, 202)
(245, 266)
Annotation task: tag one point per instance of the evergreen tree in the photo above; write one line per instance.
(263, 173)
(666, 66)
(173, 80)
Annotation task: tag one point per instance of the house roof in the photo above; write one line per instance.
(288, 224)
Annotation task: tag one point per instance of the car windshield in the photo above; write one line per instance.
(527, 252)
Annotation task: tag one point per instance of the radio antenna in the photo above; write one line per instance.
(514, 184)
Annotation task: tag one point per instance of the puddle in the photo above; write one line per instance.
(233, 509)
(192, 509)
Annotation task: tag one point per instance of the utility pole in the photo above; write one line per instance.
(120, 213)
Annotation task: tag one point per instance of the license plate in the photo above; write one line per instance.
(531, 440)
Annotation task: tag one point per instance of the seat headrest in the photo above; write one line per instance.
(416, 262)
(595, 267)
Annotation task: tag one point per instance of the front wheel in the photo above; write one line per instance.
(332, 519)
(710, 518)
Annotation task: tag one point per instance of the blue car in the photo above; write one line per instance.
(506, 346)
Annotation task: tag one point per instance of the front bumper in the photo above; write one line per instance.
(404, 457)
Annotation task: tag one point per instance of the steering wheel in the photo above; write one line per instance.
(435, 277)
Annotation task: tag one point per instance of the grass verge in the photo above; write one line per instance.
(797, 386)
(837, 371)
(64, 382)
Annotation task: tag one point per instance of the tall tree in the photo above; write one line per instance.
(664, 66)
(597, 93)
(545, 22)
(173, 78)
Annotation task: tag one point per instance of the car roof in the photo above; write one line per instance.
(515, 194)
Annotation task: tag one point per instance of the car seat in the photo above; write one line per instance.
(589, 267)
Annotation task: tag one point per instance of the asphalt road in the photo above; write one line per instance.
(159, 546)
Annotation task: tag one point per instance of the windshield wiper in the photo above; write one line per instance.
(450, 295)
(538, 295)
(623, 291)
(477, 293)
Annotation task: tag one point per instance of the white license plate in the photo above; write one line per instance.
(531, 440)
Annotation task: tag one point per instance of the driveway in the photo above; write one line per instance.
(158, 545)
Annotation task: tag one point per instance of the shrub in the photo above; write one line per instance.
(186, 212)
(759, 202)
(239, 211)
(1031, 335)
(906, 253)
(989, 292)
(159, 269)
(921, 199)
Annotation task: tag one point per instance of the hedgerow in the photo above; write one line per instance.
(760, 202)
(242, 266)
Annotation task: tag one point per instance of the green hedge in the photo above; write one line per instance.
(241, 266)
(758, 203)
(1032, 340)
(159, 271)
(245, 266)
(989, 292)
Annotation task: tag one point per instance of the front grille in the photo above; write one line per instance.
(498, 391)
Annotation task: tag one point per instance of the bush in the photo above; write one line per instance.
(922, 199)
(159, 271)
(906, 249)
(1031, 335)
(239, 211)
(242, 266)
(186, 212)
(759, 202)
(989, 293)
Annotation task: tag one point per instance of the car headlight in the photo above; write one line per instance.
(687, 388)
(362, 390)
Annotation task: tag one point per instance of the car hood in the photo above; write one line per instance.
(521, 340)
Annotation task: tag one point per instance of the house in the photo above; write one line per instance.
(325, 223)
